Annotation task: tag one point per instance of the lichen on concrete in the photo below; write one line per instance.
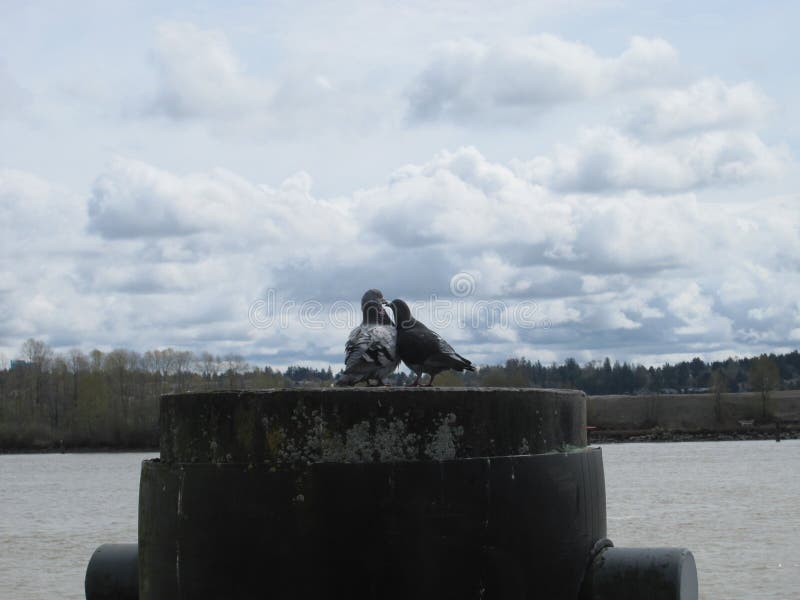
(358, 444)
(393, 441)
(443, 443)
(312, 439)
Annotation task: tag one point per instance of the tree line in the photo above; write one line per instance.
(765, 372)
(110, 399)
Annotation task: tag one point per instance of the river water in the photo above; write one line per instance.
(736, 505)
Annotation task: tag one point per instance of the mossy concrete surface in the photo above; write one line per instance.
(362, 425)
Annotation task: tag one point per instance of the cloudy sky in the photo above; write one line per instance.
(610, 178)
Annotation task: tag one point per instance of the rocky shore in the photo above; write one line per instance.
(661, 435)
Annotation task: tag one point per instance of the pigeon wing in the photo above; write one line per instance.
(383, 345)
(369, 348)
(352, 347)
(417, 343)
(441, 354)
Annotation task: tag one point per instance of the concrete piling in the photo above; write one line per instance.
(385, 493)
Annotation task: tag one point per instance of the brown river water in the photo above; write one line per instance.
(736, 505)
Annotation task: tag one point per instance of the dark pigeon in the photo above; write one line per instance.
(422, 350)
(371, 349)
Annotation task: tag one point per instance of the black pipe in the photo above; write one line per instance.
(636, 573)
(113, 573)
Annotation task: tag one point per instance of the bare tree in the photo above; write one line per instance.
(37, 355)
(204, 363)
(96, 360)
(78, 364)
(235, 364)
(56, 398)
(182, 360)
(763, 378)
(119, 365)
(718, 385)
(149, 362)
(36, 352)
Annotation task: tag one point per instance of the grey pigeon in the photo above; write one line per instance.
(422, 350)
(371, 349)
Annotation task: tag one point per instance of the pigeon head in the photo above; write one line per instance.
(374, 295)
(373, 313)
(402, 313)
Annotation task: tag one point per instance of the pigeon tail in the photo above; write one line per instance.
(464, 363)
(469, 367)
(459, 363)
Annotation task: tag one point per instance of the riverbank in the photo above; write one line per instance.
(618, 418)
(693, 417)
(658, 435)
(78, 450)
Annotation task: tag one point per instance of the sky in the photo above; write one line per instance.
(540, 179)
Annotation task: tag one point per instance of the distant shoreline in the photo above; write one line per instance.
(594, 438)
(77, 450)
(632, 437)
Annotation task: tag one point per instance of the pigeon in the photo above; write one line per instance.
(371, 349)
(375, 295)
(422, 350)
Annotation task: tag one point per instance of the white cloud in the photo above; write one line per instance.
(178, 259)
(135, 199)
(469, 79)
(199, 75)
(694, 308)
(606, 159)
(41, 226)
(633, 233)
(600, 270)
(461, 196)
(36, 215)
(708, 104)
(201, 78)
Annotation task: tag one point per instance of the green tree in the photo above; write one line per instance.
(571, 373)
(641, 379)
